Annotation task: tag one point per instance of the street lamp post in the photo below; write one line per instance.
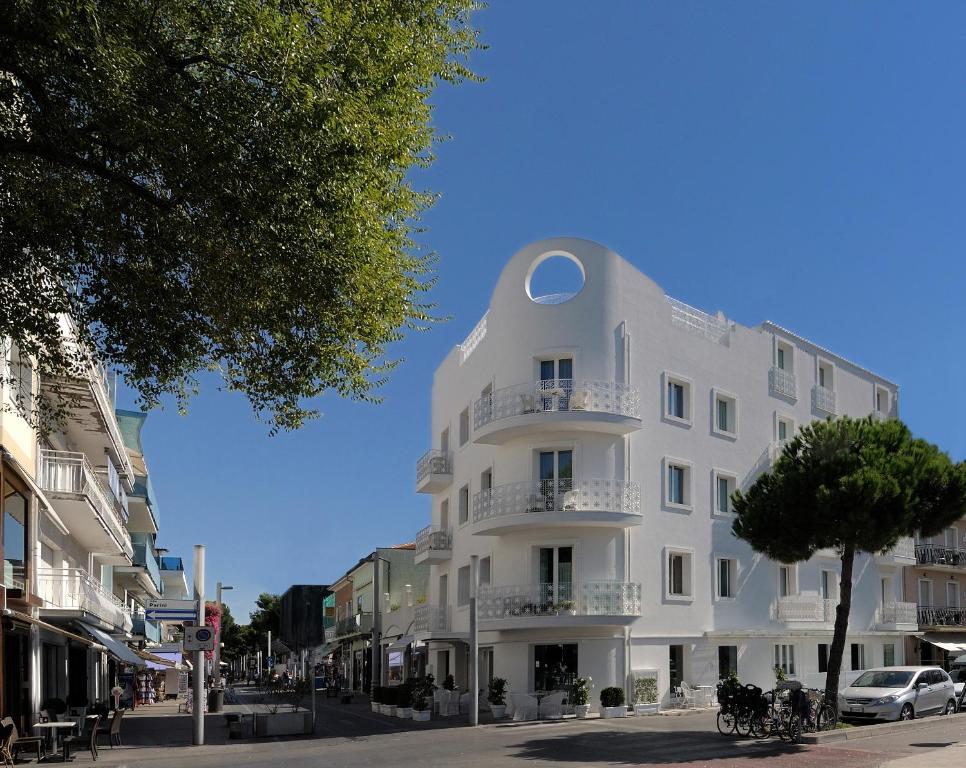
(216, 654)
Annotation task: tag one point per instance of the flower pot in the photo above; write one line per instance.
(608, 712)
(420, 715)
(651, 708)
(405, 713)
(375, 706)
(582, 710)
(498, 710)
(388, 709)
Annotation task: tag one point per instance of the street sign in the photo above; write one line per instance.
(171, 610)
(199, 639)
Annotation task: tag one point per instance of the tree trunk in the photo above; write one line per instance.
(842, 610)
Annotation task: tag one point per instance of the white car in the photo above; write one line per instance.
(897, 693)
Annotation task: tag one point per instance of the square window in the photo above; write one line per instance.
(727, 572)
(724, 419)
(464, 504)
(677, 398)
(464, 426)
(677, 483)
(678, 579)
(723, 486)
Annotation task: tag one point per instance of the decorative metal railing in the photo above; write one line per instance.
(361, 624)
(434, 462)
(931, 554)
(898, 613)
(781, 382)
(936, 616)
(691, 319)
(805, 608)
(432, 538)
(472, 341)
(590, 598)
(823, 399)
(557, 395)
(431, 618)
(564, 495)
(76, 589)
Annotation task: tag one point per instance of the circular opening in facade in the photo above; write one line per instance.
(554, 278)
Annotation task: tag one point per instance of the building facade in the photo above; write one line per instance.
(584, 448)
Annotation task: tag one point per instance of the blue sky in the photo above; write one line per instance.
(802, 163)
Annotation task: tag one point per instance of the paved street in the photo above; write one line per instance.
(352, 736)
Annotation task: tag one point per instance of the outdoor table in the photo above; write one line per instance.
(704, 695)
(52, 729)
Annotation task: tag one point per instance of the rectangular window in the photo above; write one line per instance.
(464, 426)
(880, 401)
(725, 489)
(823, 657)
(727, 661)
(486, 479)
(828, 585)
(785, 658)
(888, 655)
(925, 593)
(781, 358)
(444, 514)
(726, 577)
(821, 376)
(444, 441)
(464, 504)
(676, 484)
(784, 581)
(484, 571)
(679, 574)
(782, 430)
(443, 590)
(858, 656)
(463, 586)
(675, 398)
(951, 537)
(952, 594)
(723, 416)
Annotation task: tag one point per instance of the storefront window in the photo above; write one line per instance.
(395, 666)
(14, 537)
(554, 667)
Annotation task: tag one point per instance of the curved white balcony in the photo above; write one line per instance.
(433, 545)
(434, 471)
(556, 405)
(529, 606)
(584, 502)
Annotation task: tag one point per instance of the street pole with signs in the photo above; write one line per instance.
(198, 710)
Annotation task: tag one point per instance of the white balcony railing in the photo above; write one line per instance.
(472, 341)
(556, 396)
(897, 613)
(432, 538)
(823, 399)
(565, 495)
(75, 589)
(14, 575)
(713, 327)
(781, 382)
(431, 618)
(591, 598)
(434, 462)
(70, 472)
(806, 608)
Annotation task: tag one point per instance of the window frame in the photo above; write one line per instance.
(792, 579)
(785, 658)
(464, 441)
(687, 574)
(730, 399)
(733, 571)
(459, 505)
(459, 585)
(723, 474)
(668, 378)
(687, 485)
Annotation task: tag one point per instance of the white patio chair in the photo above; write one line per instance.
(688, 693)
(551, 706)
(524, 707)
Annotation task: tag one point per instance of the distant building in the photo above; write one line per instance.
(302, 616)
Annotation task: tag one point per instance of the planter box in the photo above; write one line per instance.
(498, 710)
(581, 710)
(647, 709)
(608, 712)
(375, 706)
(405, 713)
(283, 723)
(421, 715)
(388, 709)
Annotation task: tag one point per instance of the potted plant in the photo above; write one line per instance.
(376, 698)
(497, 697)
(387, 704)
(612, 702)
(582, 686)
(449, 683)
(422, 698)
(645, 696)
(404, 701)
(292, 722)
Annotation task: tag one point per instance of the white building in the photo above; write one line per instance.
(584, 447)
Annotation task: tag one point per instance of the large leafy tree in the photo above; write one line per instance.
(855, 485)
(219, 185)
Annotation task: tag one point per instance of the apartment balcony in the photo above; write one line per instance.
(95, 516)
(14, 577)
(433, 545)
(149, 630)
(823, 399)
(903, 553)
(173, 577)
(940, 558)
(433, 622)
(144, 576)
(566, 502)
(781, 382)
(72, 593)
(556, 405)
(805, 609)
(360, 624)
(896, 617)
(434, 471)
(529, 606)
(936, 617)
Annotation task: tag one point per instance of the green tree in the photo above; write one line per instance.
(855, 485)
(219, 186)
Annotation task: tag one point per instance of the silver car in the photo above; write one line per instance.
(897, 693)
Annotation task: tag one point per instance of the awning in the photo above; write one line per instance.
(954, 643)
(400, 644)
(18, 616)
(161, 660)
(114, 647)
(328, 648)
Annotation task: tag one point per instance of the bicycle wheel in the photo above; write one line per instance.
(827, 718)
(780, 727)
(743, 723)
(794, 729)
(761, 726)
(726, 722)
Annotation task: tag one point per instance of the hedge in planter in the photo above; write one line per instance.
(612, 697)
(497, 696)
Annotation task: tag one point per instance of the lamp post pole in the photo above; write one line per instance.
(216, 654)
(198, 704)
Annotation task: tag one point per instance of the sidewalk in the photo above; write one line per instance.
(953, 756)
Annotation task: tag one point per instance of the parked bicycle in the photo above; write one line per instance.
(786, 712)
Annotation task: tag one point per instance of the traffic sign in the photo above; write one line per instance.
(199, 639)
(171, 610)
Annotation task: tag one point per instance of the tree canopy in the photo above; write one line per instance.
(854, 485)
(220, 186)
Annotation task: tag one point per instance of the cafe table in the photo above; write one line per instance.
(54, 728)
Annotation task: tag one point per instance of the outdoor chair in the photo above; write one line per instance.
(6, 743)
(20, 743)
(551, 706)
(86, 741)
(114, 729)
(688, 693)
(525, 707)
(449, 703)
